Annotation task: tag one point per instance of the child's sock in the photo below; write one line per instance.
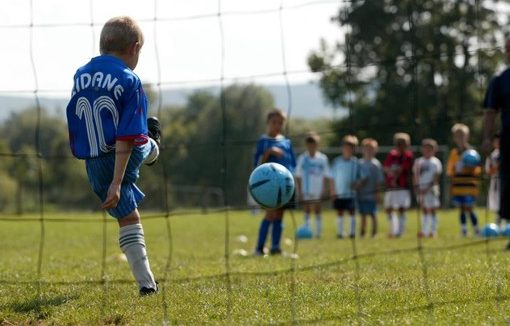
(374, 225)
(401, 224)
(318, 220)
(393, 221)
(340, 226)
(424, 224)
(353, 226)
(463, 223)
(276, 234)
(307, 220)
(474, 221)
(433, 224)
(132, 244)
(263, 230)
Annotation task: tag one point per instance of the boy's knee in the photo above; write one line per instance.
(131, 218)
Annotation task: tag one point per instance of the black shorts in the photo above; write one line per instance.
(344, 204)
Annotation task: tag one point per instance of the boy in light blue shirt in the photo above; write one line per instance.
(346, 175)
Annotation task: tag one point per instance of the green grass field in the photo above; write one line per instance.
(389, 288)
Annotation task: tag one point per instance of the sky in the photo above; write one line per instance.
(186, 36)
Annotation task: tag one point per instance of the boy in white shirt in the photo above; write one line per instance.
(312, 176)
(426, 172)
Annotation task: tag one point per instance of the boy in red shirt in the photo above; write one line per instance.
(398, 167)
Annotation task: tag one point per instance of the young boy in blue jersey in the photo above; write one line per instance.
(109, 129)
(370, 185)
(346, 175)
(274, 147)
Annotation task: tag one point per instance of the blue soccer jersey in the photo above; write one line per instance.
(107, 104)
(265, 142)
(344, 173)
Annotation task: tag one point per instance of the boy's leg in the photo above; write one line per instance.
(263, 231)
(340, 224)
(352, 232)
(463, 220)
(132, 243)
(318, 218)
(374, 224)
(363, 225)
(307, 214)
(474, 219)
(424, 223)
(433, 223)
(401, 221)
(277, 232)
(393, 222)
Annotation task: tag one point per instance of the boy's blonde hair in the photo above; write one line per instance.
(429, 142)
(370, 142)
(460, 127)
(118, 34)
(276, 113)
(402, 136)
(312, 137)
(350, 140)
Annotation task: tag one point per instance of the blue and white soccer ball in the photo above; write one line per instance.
(490, 230)
(304, 232)
(471, 158)
(271, 185)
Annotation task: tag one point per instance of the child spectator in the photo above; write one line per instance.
(397, 166)
(371, 184)
(463, 179)
(346, 175)
(427, 170)
(312, 176)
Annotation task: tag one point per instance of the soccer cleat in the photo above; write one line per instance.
(154, 129)
(276, 251)
(154, 132)
(149, 291)
(258, 253)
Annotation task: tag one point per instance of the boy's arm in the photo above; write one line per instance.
(450, 165)
(123, 151)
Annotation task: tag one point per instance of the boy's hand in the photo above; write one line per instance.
(275, 151)
(486, 146)
(113, 196)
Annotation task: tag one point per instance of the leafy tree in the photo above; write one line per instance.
(408, 65)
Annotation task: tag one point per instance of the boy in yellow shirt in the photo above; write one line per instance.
(463, 178)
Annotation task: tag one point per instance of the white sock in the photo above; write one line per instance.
(425, 220)
(132, 243)
(318, 220)
(433, 224)
(307, 220)
(392, 219)
(353, 225)
(340, 225)
(401, 224)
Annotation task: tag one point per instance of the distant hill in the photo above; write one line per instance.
(307, 101)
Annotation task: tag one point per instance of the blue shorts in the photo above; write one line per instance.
(100, 173)
(367, 207)
(464, 200)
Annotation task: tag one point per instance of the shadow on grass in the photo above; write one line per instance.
(39, 305)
